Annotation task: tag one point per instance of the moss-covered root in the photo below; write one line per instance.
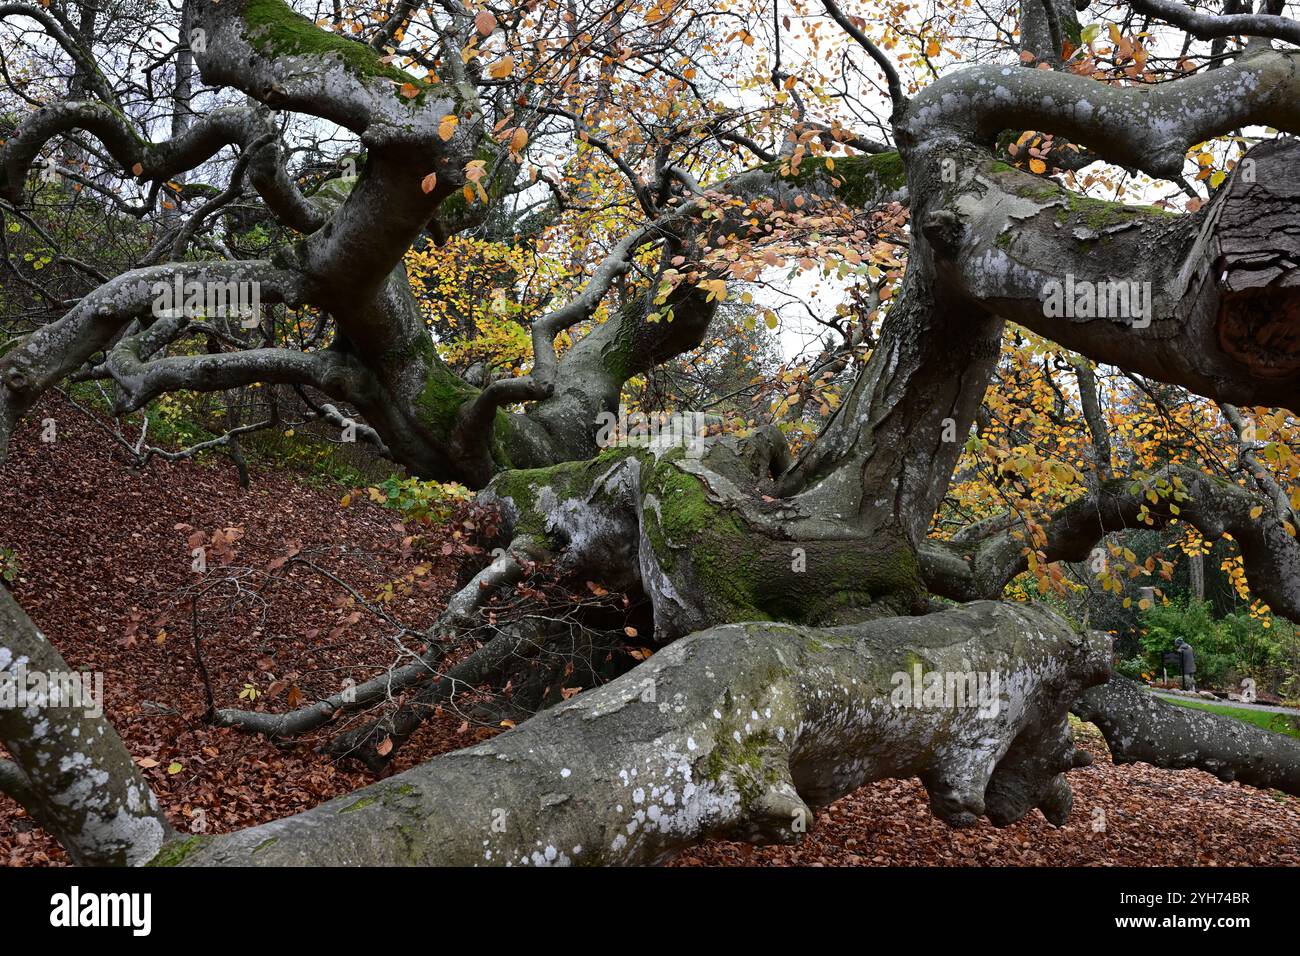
(704, 550)
(706, 560)
(738, 731)
(174, 852)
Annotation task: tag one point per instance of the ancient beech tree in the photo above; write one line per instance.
(786, 588)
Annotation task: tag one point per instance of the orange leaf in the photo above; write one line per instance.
(485, 22)
(428, 182)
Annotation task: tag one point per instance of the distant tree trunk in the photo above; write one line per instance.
(182, 94)
(1196, 571)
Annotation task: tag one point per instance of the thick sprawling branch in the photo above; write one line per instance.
(142, 379)
(282, 59)
(54, 23)
(1208, 301)
(44, 357)
(737, 730)
(1138, 726)
(108, 126)
(1208, 26)
(232, 125)
(1149, 127)
(255, 132)
(77, 777)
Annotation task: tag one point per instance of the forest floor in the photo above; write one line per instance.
(104, 553)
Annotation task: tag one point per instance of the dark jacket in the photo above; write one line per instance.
(1188, 661)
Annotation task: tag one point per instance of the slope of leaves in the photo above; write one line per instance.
(103, 551)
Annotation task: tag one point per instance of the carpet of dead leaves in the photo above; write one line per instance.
(106, 554)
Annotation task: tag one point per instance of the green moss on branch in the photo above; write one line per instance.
(177, 850)
(1098, 214)
(276, 30)
(743, 573)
